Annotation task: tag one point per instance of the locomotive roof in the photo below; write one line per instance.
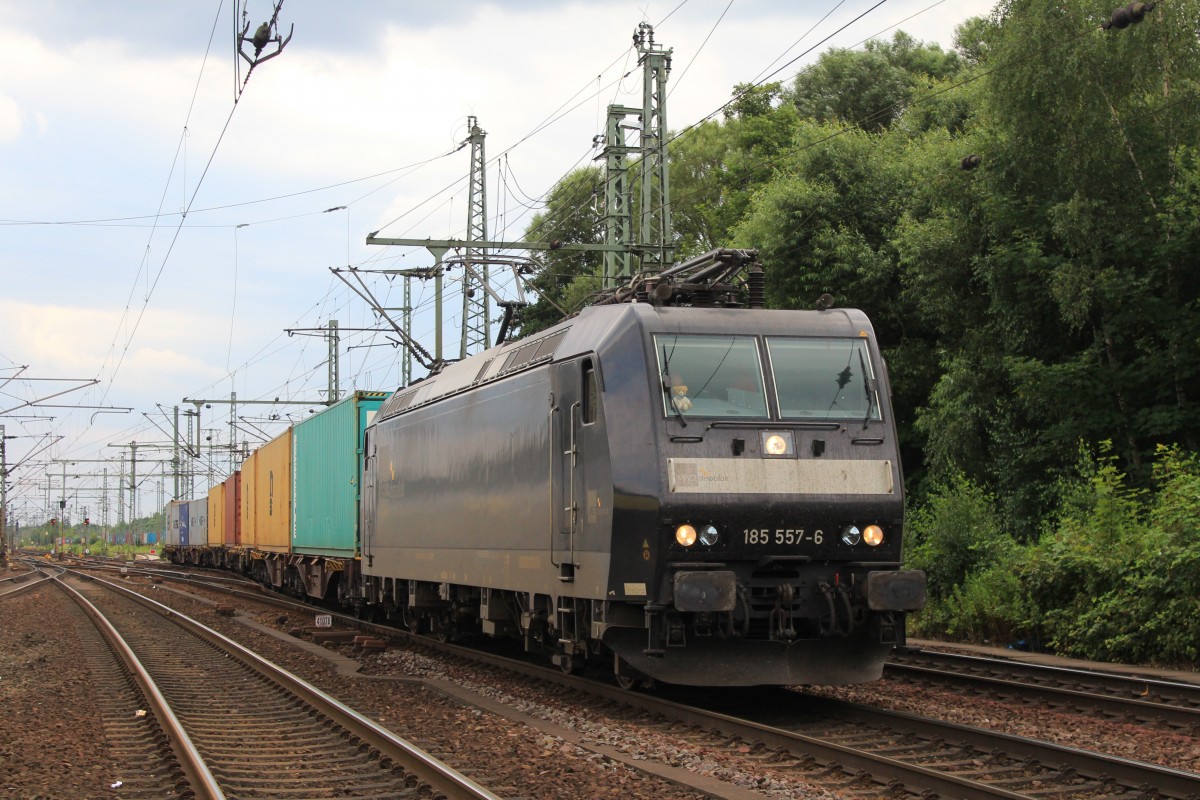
(596, 326)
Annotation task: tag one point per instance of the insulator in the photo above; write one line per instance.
(757, 287)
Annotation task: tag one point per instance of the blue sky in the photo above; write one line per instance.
(111, 113)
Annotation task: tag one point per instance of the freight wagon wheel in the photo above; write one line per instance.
(626, 682)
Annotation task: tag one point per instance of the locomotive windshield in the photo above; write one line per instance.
(711, 376)
(823, 378)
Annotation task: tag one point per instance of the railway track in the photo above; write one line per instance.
(238, 726)
(21, 582)
(872, 752)
(884, 752)
(1121, 696)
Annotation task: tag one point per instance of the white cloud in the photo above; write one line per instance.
(10, 119)
(72, 341)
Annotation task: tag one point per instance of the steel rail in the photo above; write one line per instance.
(1134, 774)
(1115, 705)
(437, 774)
(1127, 679)
(21, 588)
(19, 585)
(199, 777)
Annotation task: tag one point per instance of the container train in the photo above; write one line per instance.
(687, 489)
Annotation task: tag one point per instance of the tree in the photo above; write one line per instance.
(1085, 219)
(718, 165)
(870, 88)
(573, 214)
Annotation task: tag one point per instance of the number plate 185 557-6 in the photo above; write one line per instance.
(783, 536)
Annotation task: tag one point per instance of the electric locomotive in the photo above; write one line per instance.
(696, 492)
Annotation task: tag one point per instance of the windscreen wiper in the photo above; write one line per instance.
(867, 381)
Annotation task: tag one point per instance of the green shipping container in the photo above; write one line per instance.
(326, 475)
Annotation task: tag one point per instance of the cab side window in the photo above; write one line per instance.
(590, 393)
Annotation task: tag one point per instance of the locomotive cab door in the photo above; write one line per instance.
(573, 410)
(366, 520)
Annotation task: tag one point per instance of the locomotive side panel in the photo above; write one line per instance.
(464, 493)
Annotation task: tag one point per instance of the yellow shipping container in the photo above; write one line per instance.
(246, 513)
(267, 496)
(216, 516)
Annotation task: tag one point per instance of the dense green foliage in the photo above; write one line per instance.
(1041, 301)
(1115, 576)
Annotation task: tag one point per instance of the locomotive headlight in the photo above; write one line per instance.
(685, 535)
(778, 444)
(851, 535)
(709, 536)
(873, 535)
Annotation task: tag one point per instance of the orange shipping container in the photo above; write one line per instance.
(216, 516)
(267, 496)
(246, 512)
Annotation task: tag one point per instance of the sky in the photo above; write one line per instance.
(167, 214)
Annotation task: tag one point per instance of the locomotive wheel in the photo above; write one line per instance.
(570, 664)
(626, 682)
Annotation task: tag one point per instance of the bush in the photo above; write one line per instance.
(958, 539)
(953, 533)
(1114, 577)
(1118, 578)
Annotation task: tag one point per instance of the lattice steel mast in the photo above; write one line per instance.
(476, 332)
(656, 237)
